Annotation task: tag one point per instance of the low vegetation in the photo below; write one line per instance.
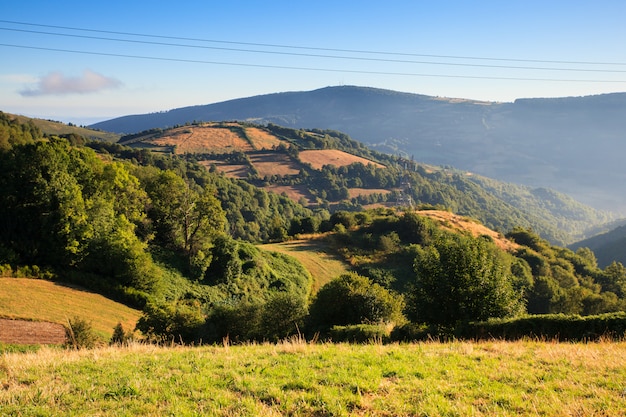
(294, 378)
(40, 300)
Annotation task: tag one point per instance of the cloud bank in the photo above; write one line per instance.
(56, 83)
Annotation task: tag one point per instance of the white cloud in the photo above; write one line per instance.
(56, 83)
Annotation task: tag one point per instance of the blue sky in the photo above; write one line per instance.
(84, 61)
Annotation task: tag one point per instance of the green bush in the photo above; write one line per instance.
(80, 335)
(354, 299)
(360, 333)
(549, 326)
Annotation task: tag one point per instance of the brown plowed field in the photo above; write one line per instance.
(319, 158)
(31, 332)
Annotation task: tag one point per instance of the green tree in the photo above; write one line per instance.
(354, 299)
(460, 278)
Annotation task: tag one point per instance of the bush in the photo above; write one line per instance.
(80, 335)
(354, 299)
(550, 326)
(120, 337)
(361, 333)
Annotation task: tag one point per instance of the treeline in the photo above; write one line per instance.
(166, 235)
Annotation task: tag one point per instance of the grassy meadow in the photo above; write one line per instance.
(314, 255)
(299, 379)
(35, 299)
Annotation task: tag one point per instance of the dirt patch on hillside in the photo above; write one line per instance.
(24, 332)
(453, 222)
(319, 158)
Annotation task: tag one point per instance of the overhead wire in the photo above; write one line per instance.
(356, 51)
(308, 55)
(457, 64)
(195, 61)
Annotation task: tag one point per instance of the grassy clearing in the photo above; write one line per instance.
(426, 379)
(315, 257)
(319, 158)
(32, 299)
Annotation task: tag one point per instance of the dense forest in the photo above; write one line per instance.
(166, 235)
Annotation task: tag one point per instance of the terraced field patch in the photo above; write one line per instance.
(319, 158)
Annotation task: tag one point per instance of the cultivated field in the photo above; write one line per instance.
(297, 379)
(39, 300)
(319, 158)
(355, 192)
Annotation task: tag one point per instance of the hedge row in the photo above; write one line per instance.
(551, 326)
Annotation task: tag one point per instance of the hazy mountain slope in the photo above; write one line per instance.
(608, 247)
(573, 145)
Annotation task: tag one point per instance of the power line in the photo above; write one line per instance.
(153, 58)
(455, 64)
(355, 51)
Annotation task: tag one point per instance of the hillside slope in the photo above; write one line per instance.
(39, 300)
(570, 144)
(316, 168)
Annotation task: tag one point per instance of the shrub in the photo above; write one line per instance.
(79, 334)
(354, 299)
(360, 333)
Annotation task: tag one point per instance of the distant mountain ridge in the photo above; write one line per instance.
(573, 144)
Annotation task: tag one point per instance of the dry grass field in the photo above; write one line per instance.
(203, 139)
(229, 170)
(39, 300)
(319, 158)
(294, 192)
(272, 163)
(453, 221)
(262, 139)
(315, 257)
(355, 192)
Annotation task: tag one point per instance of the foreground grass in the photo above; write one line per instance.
(426, 379)
(35, 299)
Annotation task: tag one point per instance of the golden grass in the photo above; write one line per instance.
(454, 222)
(355, 192)
(274, 164)
(262, 139)
(203, 139)
(32, 299)
(314, 255)
(319, 158)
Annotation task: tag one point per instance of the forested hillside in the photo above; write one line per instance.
(570, 144)
(163, 233)
(328, 170)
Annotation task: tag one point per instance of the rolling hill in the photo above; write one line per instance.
(573, 145)
(315, 168)
(44, 301)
